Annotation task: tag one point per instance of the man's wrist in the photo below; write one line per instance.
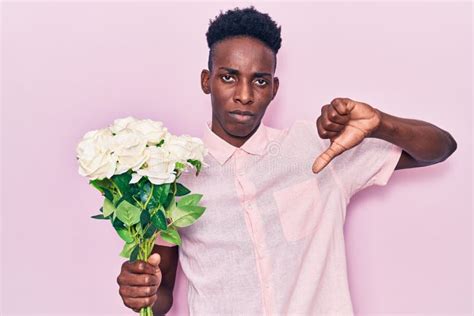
(385, 129)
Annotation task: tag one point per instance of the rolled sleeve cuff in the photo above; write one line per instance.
(388, 167)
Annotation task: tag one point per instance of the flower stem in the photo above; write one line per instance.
(149, 196)
(143, 254)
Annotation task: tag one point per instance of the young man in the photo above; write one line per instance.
(271, 240)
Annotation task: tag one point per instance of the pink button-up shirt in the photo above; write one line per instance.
(271, 239)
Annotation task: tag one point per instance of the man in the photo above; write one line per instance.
(271, 240)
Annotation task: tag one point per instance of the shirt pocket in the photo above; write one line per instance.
(299, 208)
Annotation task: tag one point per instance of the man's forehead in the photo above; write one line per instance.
(244, 54)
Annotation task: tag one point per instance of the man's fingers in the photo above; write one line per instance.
(343, 105)
(331, 126)
(137, 303)
(137, 291)
(326, 131)
(323, 108)
(322, 160)
(335, 116)
(340, 107)
(138, 266)
(154, 260)
(138, 279)
(331, 120)
(327, 134)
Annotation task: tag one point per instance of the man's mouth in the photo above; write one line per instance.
(241, 116)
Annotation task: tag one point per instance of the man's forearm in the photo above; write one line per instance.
(164, 302)
(425, 142)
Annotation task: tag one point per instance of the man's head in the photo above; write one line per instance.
(243, 44)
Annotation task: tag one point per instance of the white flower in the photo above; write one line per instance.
(197, 151)
(153, 131)
(178, 148)
(121, 124)
(130, 148)
(159, 167)
(96, 160)
(185, 147)
(130, 144)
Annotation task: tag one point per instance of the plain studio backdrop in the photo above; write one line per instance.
(70, 67)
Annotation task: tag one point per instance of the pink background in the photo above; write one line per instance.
(71, 67)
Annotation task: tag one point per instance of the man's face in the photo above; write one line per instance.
(242, 85)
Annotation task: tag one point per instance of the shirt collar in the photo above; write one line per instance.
(222, 150)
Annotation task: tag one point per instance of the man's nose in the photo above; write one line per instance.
(243, 93)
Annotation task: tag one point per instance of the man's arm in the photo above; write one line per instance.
(423, 143)
(347, 122)
(168, 266)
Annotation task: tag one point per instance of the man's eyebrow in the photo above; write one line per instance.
(233, 71)
(262, 74)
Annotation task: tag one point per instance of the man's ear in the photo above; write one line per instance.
(205, 81)
(276, 84)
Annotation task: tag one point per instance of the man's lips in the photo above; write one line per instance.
(242, 112)
(241, 116)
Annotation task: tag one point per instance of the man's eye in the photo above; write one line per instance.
(227, 78)
(261, 82)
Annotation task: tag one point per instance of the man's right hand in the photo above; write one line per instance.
(139, 282)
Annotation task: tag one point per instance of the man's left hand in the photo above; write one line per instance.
(346, 123)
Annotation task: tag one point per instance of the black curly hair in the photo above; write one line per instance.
(238, 22)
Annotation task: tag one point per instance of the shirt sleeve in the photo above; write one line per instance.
(372, 162)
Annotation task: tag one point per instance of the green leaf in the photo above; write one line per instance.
(186, 215)
(171, 204)
(122, 181)
(192, 199)
(150, 231)
(99, 216)
(160, 143)
(171, 236)
(105, 187)
(108, 195)
(119, 200)
(127, 250)
(180, 165)
(124, 234)
(116, 223)
(197, 164)
(108, 207)
(159, 220)
(160, 192)
(152, 205)
(101, 185)
(181, 190)
(144, 218)
(168, 200)
(128, 213)
(142, 190)
(139, 230)
(134, 254)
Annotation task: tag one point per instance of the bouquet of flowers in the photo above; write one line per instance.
(136, 164)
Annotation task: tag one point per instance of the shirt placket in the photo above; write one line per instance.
(246, 191)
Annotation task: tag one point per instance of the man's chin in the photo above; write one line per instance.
(238, 129)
